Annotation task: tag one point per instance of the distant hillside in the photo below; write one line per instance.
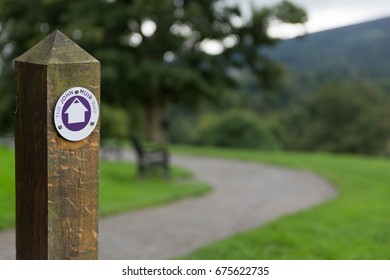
(353, 53)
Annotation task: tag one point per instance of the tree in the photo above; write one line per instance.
(343, 118)
(152, 53)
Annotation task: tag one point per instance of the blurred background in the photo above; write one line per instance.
(218, 73)
(303, 78)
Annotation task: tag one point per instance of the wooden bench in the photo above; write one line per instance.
(150, 159)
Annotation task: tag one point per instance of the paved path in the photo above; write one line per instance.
(246, 195)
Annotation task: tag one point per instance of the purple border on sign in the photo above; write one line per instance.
(76, 126)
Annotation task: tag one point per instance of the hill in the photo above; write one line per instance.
(358, 52)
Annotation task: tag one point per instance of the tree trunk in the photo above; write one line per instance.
(156, 122)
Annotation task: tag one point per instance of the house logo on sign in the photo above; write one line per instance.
(76, 114)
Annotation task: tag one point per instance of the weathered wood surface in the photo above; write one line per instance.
(56, 180)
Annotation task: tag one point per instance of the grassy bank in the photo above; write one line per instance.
(353, 226)
(120, 190)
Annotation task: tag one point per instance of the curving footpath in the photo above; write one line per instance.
(246, 195)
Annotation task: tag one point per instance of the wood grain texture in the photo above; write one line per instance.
(57, 181)
(31, 162)
(73, 172)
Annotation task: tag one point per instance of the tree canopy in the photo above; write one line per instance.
(152, 53)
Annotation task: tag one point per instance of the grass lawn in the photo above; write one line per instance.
(7, 189)
(120, 190)
(356, 225)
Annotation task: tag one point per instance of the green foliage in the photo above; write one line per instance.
(352, 226)
(239, 128)
(151, 52)
(342, 118)
(183, 130)
(114, 122)
(119, 190)
(290, 13)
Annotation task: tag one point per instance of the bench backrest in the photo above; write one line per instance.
(137, 146)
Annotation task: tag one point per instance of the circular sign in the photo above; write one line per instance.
(76, 114)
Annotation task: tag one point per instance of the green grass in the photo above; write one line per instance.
(355, 225)
(7, 189)
(120, 190)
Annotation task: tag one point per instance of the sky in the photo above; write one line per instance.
(327, 14)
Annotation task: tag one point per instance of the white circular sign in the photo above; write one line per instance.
(76, 114)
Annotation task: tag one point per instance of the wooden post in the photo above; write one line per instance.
(56, 179)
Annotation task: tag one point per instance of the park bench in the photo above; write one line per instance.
(151, 160)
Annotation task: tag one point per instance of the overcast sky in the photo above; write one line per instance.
(327, 14)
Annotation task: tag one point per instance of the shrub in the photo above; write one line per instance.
(238, 128)
(114, 122)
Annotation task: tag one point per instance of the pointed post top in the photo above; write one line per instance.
(56, 49)
(57, 206)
